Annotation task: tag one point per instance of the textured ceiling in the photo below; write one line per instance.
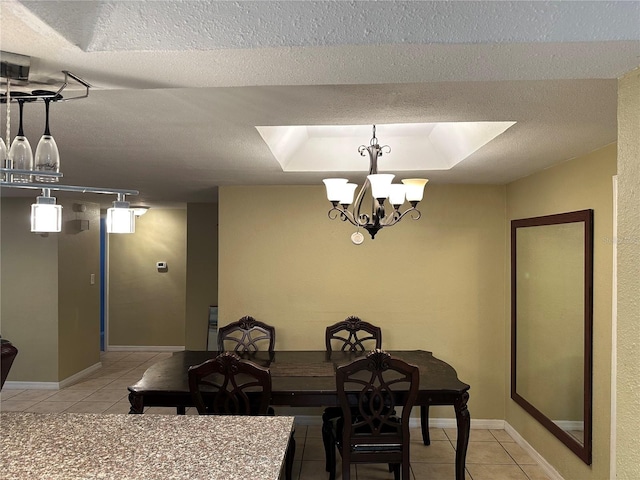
(180, 86)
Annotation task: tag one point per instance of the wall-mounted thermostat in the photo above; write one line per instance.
(161, 265)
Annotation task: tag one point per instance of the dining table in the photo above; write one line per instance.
(74, 446)
(307, 379)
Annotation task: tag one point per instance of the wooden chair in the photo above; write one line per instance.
(350, 335)
(353, 334)
(246, 335)
(229, 385)
(370, 432)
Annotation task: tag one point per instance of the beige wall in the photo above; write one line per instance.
(78, 300)
(202, 271)
(628, 325)
(434, 284)
(147, 307)
(49, 311)
(578, 184)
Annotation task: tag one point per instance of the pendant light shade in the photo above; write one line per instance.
(46, 216)
(380, 184)
(335, 188)
(415, 188)
(121, 218)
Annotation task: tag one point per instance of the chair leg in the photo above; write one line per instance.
(330, 449)
(328, 446)
(289, 456)
(396, 471)
(424, 424)
(406, 473)
(346, 469)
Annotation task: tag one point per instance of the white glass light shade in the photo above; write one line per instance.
(415, 188)
(47, 158)
(396, 194)
(348, 190)
(335, 188)
(121, 218)
(380, 183)
(21, 155)
(139, 210)
(46, 217)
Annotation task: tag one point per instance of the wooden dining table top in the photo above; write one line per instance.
(302, 378)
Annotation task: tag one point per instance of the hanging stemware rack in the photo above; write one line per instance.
(15, 68)
(46, 216)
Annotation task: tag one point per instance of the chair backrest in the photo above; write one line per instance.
(353, 334)
(228, 385)
(246, 335)
(372, 383)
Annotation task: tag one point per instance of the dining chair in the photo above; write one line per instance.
(246, 335)
(369, 431)
(229, 385)
(221, 386)
(349, 335)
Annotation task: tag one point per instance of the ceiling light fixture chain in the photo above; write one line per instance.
(340, 193)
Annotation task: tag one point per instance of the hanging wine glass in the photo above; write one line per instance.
(3, 156)
(47, 157)
(20, 153)
(4, 151)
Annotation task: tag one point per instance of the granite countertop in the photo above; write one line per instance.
(84, 446)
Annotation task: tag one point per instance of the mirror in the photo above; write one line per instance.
(551, 323)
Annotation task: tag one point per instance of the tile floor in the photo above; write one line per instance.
(492, 454)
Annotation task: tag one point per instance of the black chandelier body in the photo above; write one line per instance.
(340, 194)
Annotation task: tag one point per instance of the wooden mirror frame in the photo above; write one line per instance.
(582, 450)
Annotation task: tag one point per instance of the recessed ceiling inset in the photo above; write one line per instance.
(416, 146)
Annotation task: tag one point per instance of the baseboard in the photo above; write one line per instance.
(551, 472)
(8, 385)
(52, 385)
(80, 375)
(451, 423)
(145, 348)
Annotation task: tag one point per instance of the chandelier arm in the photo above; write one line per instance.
(345, 215)
(361, 219)
(396, 216)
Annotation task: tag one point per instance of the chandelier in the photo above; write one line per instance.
(19, 168)
(340, 193)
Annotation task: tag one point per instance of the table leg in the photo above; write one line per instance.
(424, 424)
(463, 420)
(137, 403)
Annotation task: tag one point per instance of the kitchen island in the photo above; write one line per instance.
(74, 446)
